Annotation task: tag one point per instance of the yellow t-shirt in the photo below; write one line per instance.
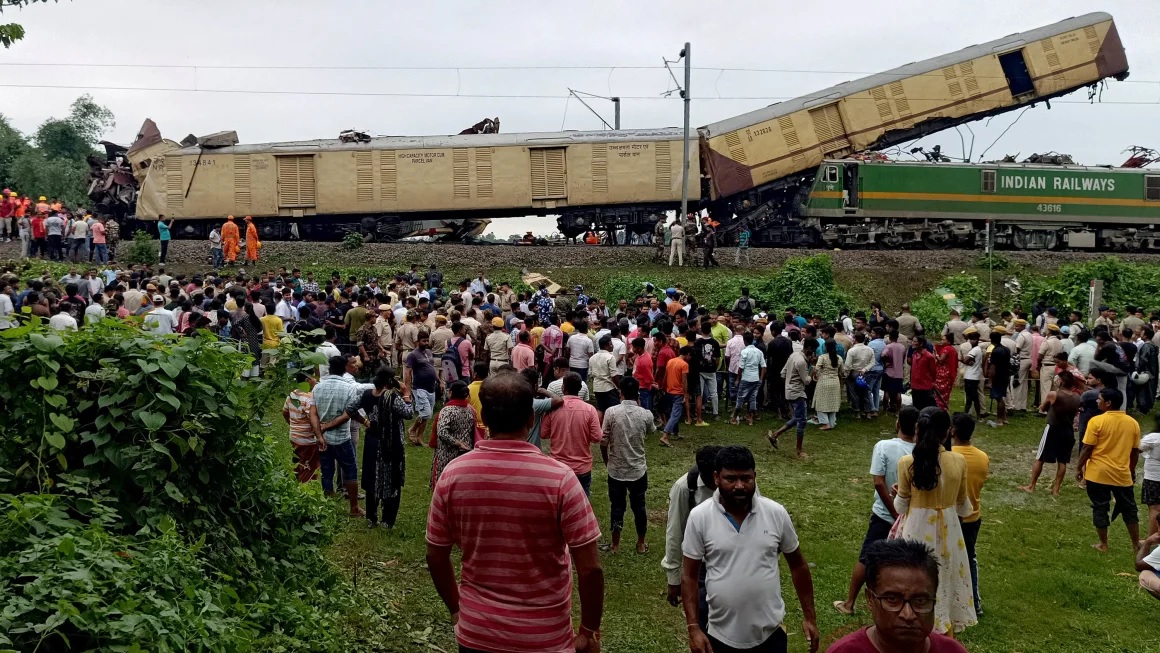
(978, 467)
(537, 334)
(271, 327)
(1112, 437)
(567, 327)
(682, 341)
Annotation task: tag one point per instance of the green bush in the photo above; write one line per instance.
(143, 503)
(143, 250)
(1124, 283)
(352, 241)
(994, 261)
(806, 283)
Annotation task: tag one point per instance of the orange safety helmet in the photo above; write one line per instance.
(248, 218)
(230, 218)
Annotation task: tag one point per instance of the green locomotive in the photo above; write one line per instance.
(855, 203)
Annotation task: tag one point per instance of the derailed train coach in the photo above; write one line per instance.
(765, 156)
(753, 168)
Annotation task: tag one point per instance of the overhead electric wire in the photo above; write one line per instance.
(795, 71)
(520, 96)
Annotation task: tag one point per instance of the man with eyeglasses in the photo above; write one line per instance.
(901, 585)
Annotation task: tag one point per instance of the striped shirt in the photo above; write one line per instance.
(298, 404)
(514, 513)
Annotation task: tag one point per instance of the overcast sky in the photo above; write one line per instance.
(205, 44)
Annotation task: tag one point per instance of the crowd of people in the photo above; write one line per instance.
(50, 230)
(505, 383)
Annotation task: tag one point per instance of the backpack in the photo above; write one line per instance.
(451, 362)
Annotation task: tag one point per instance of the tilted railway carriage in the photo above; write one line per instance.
(749, 155)
(857, 203)
(754, 168)
(328, 187)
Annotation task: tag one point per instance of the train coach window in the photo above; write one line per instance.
(988, 181)
(1152, 188)
(830, 175)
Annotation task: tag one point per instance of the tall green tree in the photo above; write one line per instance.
(53, 161)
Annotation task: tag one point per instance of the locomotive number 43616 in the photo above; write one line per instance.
(1049, 208)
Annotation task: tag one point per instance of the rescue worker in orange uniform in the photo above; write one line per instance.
(230, 238)
(252, 242)
(42, 205)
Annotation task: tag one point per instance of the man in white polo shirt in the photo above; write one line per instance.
(738, 536)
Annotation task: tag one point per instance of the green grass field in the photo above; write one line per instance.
(1043, 587)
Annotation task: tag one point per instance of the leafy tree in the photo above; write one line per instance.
(53, 162)
(13, 32)
(12, 145)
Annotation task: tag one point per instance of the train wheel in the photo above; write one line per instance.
(937, 240)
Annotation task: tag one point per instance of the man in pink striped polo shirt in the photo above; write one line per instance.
(521, 520)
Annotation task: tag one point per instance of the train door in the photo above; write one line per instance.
(297, 184)
(851, 201)
(1018, 78)
(549, 173)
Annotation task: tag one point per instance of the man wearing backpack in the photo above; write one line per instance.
(743, 307)
(687, 493)
(457, 360)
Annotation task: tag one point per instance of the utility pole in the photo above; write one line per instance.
(616, 116)
(687, 54)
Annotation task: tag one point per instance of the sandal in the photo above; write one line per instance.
(840, 606)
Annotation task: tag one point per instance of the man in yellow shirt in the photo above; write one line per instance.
(1107, 461)
(978, 468)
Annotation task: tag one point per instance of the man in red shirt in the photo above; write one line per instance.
(7, 210)
(39, 237)
(901, 585)
(521, 521)
(922, 372)
(642, 371)
(572, 429)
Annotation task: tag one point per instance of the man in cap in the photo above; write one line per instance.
(498, 345)
(252, 242)
(1048, 349)
(230, 238)
(158, 320)
(1024, 347)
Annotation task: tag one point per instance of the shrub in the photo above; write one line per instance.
(352, 241)
(994, 261)
(144, 505)
(806, 283)
(1124, 283)
(143, 250)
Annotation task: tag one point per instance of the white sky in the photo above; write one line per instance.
(847, 38)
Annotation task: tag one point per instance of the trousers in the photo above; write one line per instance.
(677, 250)
(777, 643)
(635, 491)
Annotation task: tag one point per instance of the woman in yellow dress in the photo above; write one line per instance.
(932, 495)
